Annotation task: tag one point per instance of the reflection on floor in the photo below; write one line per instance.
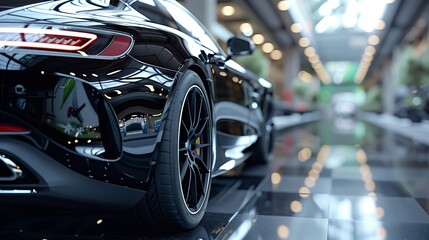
(339, 180)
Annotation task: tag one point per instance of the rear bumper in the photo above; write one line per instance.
(59, 186)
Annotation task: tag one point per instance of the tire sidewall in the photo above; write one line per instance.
(264, 145)
(189, 80)
(268, 131)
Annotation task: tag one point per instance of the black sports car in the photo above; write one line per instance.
(123, 104)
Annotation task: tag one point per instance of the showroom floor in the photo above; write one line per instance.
(339, 179)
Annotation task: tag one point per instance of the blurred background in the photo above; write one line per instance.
(361, 67)
(341, 56)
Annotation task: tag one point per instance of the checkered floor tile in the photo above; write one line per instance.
(320, 187)
(323, 183)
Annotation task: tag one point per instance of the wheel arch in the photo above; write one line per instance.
(197, 65)
(162, 200)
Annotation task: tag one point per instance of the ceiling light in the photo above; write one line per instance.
(296, 206)
(373, 40)
(246, 29)
(305, 77)
(326, 79)
(314, 59)
(317, 65)
(350, 17)
(326, 23)
(283, 231)
(367, 54)
(380, 25)
(283, 5)
(365, 65)
(304, 42)
(370, 50)
(310, 51)
(390, 1)
(267, 47)
(374, 11)
(228, 10)
(276, 55)
(258, 38)
(276, 178)
(359, 79)
(367, 58)
(296, 28)
(361, 73)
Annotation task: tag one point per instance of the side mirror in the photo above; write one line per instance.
(240, 46)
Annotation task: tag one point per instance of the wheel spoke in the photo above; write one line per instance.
(203, 145)
(206, 120)
(202, 164)
(194, 109)
(189, 116)
(184, 169)
(199, 183)
(189, 185)
(201, 103)
(194, 190)
(186, 128)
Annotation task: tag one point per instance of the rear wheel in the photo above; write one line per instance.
(180, 186)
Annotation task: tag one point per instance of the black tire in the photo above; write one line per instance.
(264, 145)
(180, 187)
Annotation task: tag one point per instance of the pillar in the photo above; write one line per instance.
(205, 11)
(292, 66)
(389, 81)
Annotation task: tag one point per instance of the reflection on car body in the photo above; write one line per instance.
(124, 104)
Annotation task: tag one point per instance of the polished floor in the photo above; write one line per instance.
(336, 179)
(340, 179)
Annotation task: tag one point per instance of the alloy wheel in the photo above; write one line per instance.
(195, 149)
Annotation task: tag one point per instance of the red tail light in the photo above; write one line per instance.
(118, 46)
(45, 39)
(12, 129)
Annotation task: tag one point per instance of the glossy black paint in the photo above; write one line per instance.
(102, 116)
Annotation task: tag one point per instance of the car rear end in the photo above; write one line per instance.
(59, 136)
